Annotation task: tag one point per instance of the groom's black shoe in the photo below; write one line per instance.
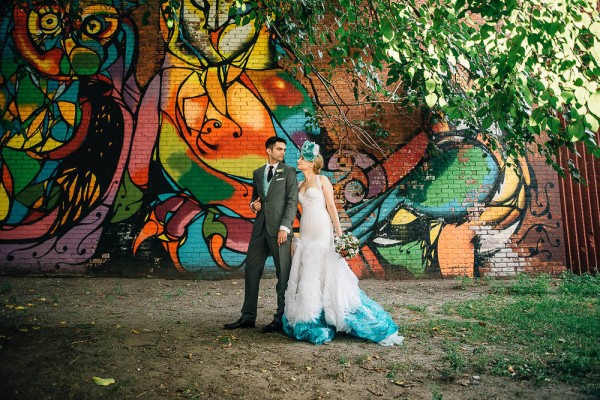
(274, 326)
(240, 324)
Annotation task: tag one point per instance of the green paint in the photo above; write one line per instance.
(24, 169)
(29, 94)
(175, 156)
(454, 178)
(212, 226)
(85, 62)
(31, 194)
(408, 255)
(128, 200)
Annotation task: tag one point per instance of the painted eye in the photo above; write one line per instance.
(49, 22)
(93, 26)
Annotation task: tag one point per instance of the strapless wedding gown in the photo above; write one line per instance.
(322, 295)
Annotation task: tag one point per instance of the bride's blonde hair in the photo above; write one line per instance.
(318, 163)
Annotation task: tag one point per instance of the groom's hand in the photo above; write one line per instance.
(281, 237)
(256, 205)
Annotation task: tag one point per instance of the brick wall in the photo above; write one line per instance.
(132, 152)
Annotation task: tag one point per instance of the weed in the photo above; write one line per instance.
(415, 308)
(343, 361)
(436, 394)
(524, 285)
(5, 288)
(363, 359)
(583, 285)
(177, 293)
(393, 369)
(118, 290)
(531, 332)
(454, 359)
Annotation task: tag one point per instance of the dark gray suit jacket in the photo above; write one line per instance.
(279, 205)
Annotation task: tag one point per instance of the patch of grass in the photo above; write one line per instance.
(415, 308)
(454, 360)
(362, 360)
(177, 293)
(533, 332)
(533, 328)
(464, 282)
(118, 290)
(343, 361)
(5, 287)
(524, 284)
(394, 368)
(436, 394)
(583, 285)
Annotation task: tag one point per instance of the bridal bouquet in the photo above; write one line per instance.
(346, 245)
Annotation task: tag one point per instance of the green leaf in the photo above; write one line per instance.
(386, 30)
(430, 85)
(487, 122)
(103, 381)
(431, 99)
(554, 124)
(592, 122)
(576, 131)
(593, 104)
(537, 115)
(595, 29)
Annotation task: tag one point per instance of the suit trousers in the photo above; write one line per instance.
(259, 249)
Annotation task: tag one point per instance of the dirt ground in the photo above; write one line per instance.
(163, 339)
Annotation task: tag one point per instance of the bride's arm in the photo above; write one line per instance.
(330, 202)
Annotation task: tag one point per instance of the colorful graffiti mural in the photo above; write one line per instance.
(66, 128)
(91, 159)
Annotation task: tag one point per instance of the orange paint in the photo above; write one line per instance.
(456, 253)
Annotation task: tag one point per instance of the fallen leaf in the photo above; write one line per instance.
(401, 383)
(134, 331)
(103, 381)
(20, 308)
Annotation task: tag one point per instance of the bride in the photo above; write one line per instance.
(322, 295)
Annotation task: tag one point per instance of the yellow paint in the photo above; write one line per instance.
(403, 217)
(434, 231)
(49, 145)
(191, 87)
(215, 89)
(261, 56)
(509, 186)
(4, 202)
(68, 111)
(242, 166)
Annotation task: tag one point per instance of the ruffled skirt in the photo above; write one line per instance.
(323, 298)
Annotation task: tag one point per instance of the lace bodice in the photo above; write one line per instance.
(315, 223)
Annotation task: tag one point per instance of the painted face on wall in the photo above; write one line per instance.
(204, 33)
(60, 47)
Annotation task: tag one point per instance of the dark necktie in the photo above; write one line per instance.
(270, 173)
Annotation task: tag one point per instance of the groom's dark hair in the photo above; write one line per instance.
(272, 140)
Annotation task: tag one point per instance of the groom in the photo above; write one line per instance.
(275, 201)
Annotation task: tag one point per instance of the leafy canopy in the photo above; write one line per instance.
(511, 70)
